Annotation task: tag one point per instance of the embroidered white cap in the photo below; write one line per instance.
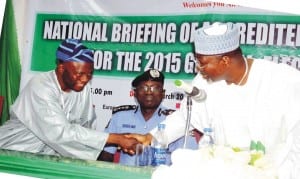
(217, 38)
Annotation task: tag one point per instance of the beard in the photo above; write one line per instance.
(209, 81)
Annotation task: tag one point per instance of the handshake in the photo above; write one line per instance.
(128, 142)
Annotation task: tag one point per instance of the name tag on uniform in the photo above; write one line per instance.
(128, 126)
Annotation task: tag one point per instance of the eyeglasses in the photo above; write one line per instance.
(153, 89)
(199, 65)
(196, 62)
(199, 58)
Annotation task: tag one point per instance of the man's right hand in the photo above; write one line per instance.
(126, 143)
(144, 139)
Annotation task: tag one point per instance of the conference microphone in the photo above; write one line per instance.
(197, 94)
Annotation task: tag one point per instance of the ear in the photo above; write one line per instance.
(225, 61)
(60, 68)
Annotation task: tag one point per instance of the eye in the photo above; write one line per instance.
(81, 74)
(152, 89)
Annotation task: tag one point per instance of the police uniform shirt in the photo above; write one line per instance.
(129, 119)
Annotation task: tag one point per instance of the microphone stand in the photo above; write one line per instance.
(188, 120)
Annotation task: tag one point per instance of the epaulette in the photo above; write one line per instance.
(165, 112)
(123, 108)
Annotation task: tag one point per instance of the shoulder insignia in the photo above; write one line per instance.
(166, 112)
(123, 108)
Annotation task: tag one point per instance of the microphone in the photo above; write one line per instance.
(197, 94)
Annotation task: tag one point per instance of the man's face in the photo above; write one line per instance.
(149, 94)
(77, 74)
(209, 67)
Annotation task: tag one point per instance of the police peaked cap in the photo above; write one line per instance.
(149, 75)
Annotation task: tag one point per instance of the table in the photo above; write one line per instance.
(44, 166)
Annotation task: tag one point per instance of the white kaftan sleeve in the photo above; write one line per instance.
(41, 111)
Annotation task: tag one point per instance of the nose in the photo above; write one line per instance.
(84, 78)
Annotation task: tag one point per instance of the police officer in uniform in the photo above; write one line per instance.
(149, 92)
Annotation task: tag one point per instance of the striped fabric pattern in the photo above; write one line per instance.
(73, 50)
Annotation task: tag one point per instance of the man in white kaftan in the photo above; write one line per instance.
(266, 109)
(54, 113)
(48, 126)
(247, 100)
